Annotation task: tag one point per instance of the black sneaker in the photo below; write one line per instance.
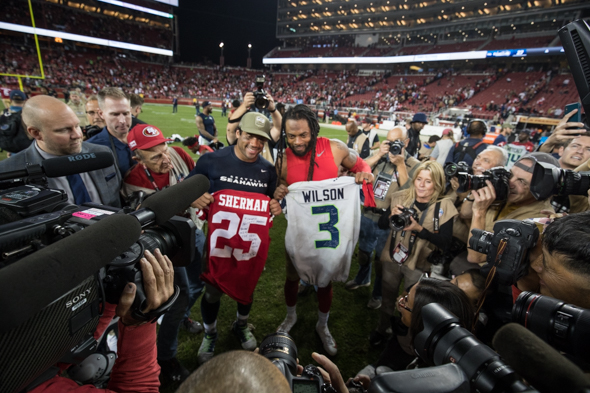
(172, 370)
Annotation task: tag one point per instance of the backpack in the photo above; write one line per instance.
(13, 136)
(465, 148)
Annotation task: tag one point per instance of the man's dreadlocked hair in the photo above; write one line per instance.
(299, 112)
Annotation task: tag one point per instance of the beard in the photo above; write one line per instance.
(307, 150)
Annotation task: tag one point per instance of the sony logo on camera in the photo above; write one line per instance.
(80, 157)
(80, 298)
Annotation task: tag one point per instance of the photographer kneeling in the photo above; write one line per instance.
(426, 224)
(136, 368)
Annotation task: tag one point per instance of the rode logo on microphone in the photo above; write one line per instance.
(78, 300)
(80, 157)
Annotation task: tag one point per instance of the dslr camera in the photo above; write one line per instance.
(549, 180)
(260, 100)
(395, 148)
(453, 169)
(498, 176)
(399, 221)
(507, 248)
(281, 350)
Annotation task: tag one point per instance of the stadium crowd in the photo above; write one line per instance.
(422, 200)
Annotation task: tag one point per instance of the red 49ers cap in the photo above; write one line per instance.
(145, 136)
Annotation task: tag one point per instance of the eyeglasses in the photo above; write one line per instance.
(403, 301)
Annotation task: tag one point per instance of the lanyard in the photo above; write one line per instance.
(151, 178)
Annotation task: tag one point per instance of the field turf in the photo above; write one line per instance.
(350, 320)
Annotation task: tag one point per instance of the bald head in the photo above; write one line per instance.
(396, 133)
(236, 371)
(53, 124)
(352, 128)
(38, 108)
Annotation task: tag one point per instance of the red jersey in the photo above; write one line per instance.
(529, 146)
(237, 242)
(298, 167)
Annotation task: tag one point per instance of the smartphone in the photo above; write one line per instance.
(578, 116)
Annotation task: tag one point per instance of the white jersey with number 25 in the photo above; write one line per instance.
(323, 227)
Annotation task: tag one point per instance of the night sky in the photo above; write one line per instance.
(204, 24)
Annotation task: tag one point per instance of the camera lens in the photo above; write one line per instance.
(451, 169)
(280, 348)
(481, 241)
(564, 326)
(399, 221)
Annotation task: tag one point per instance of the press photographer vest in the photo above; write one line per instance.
(386, 183)
(422, 247)
(532, 210)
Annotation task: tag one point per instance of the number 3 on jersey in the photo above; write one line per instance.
(231, 231)
(329, 226)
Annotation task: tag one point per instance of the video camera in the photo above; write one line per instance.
(498, 176)
(260, 100)
(507, 248)
(59, 268)
(549, 180)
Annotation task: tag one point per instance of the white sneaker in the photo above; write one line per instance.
(327, 339)
(288, 323)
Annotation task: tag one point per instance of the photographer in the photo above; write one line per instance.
(13, 133)
(249, 105)
(357, 140)
(520, 204)
(135, 369)
(160, 166)
(564, 268)
(391, 173)
(563, 132)
(405, 255)
(409, 305)
(95, 122)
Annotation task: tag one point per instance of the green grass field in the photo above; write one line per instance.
(350, 321)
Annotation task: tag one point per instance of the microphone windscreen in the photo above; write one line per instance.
(77, 163)
(537, 362)
(30, 284)
(176, 199)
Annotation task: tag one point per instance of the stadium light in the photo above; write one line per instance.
(138, 8)
(83, 38)
(249, 62)
(221, 59)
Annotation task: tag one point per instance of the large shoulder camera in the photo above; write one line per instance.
(399, 221)
(281, 350)
(507, 248)
(549, 180)
(260, 100)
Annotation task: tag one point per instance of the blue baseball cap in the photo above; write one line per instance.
(17, 95)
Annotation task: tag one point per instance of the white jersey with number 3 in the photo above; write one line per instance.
(323, 227)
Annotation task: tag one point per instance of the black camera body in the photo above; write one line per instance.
(453, 169)
(396, 147)
(281, 350)
(563, 326)
(399, 221)
(498, 176)
(509, 244)
(260, 100)
(549, 180)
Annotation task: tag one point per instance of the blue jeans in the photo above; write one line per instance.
(371, 238)
(191, 286)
